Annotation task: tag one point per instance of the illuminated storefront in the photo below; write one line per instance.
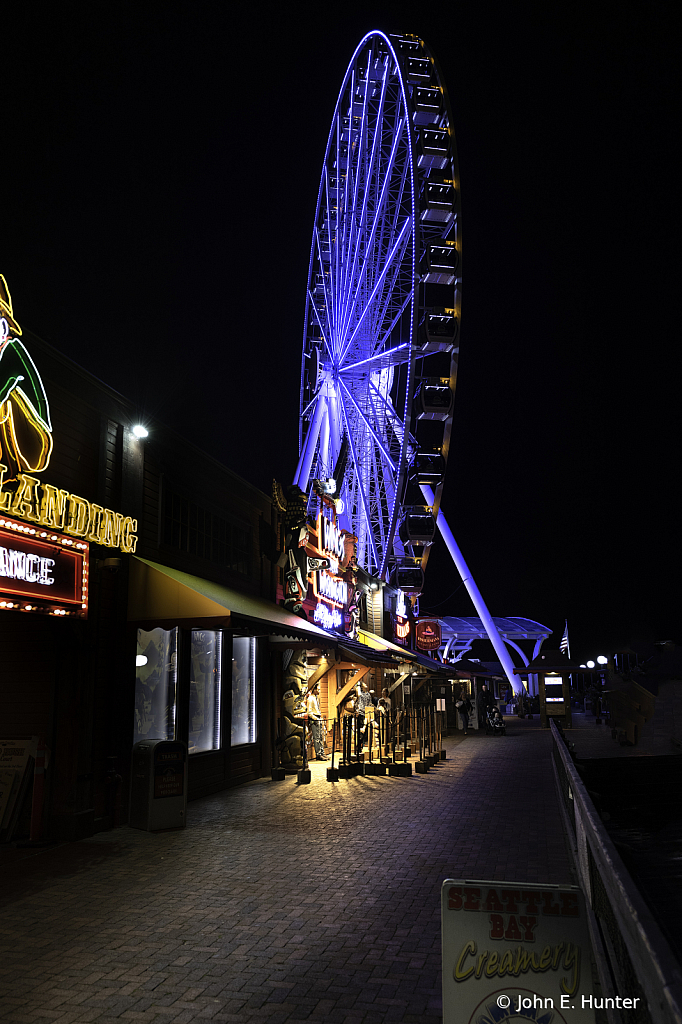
(87, 663)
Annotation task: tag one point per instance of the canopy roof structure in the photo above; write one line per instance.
(459, 632)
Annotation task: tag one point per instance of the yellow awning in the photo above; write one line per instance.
(159, 593)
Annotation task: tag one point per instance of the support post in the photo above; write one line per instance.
(475, 595)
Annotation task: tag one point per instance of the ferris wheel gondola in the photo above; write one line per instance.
(382, 308)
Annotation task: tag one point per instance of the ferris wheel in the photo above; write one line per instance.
(382, 309)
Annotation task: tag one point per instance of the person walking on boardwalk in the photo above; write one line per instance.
(484, 701)
(464, 708)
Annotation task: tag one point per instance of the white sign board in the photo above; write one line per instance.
(515, 952)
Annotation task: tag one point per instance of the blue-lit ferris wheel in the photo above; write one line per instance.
(383, 305)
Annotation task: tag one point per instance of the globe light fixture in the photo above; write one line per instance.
(140, 431)
(590, 664)
(602, 660)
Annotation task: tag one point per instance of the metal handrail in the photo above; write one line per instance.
(632, 943)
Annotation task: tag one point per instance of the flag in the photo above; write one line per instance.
(563, 646)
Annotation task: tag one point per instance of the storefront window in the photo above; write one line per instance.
(156, 684)
(204, 690)
(243, 690)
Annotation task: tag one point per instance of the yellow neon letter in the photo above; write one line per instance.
(53, 506)
(110, 531)
(128, 538)
(5, 496)
(25, 502)
(95, 523)
(79, 516)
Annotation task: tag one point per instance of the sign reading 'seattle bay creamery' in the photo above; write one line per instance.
(26, 444)
(515, 952)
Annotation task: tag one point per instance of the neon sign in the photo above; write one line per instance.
(402, 623)
(330, 538)
(331, 589)
(42, 572)
(25, 428)
(23, 565)
(26, 446)
(48, 506)
(328, 618)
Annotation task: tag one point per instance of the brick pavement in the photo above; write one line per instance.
(278, 903)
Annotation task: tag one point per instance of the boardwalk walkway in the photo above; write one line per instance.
(278, 903)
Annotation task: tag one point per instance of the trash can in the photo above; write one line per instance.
(158, 785)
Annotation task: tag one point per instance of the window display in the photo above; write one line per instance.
(243, 690)
(156, 684)
(204, 690)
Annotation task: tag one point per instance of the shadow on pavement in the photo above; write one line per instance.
(25, 871)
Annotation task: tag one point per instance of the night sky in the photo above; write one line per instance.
(160, 174)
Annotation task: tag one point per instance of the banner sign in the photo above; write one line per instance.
(515, 951)
(42, 571)
(428, 635)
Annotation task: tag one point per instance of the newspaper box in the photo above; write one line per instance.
(158, 785)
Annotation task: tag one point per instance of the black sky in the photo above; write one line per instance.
(160, 174)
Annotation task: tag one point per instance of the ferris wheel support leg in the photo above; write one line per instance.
(308, 451)
(475, 595)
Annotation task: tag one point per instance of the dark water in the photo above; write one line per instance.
(640, 800)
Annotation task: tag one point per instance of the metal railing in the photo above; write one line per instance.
(633, 957)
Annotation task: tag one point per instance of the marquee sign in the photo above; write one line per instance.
(42, 571)
(26, 445)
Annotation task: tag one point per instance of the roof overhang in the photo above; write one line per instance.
(167, 596)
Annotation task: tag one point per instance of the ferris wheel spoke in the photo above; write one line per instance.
(368, 170)
(381, 361)
(359, 276)
(385, 191)
(311, 403)
(370, 304)
(358, 478)
(401, 241)
(393, 324)
(349, 170)
(384, 307)
(378, 477)
(319, 322)
(389, 228)
(329, 297)
(370, 428)
(397, 424)
(324, 288)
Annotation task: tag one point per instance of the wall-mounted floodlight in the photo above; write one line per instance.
(590, 664)
(140, 431)
(602, 660)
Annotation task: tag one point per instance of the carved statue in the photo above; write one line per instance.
(294, 684)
